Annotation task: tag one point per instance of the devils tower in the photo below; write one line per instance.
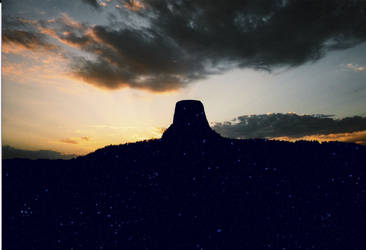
(189, 123)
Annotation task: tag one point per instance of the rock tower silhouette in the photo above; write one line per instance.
(189, 123)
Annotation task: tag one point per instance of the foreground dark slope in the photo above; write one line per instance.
(231, 194)
(189, 191)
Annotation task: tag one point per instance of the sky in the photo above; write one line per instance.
(79, 75)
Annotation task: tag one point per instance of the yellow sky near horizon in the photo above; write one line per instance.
(54, 111)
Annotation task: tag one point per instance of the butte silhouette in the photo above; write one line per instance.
(189, 124)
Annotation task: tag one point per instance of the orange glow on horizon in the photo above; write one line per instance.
(358, 137)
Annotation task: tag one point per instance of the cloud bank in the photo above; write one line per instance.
(27, 40)
(179, 42)
(293, 126)
(93, 3)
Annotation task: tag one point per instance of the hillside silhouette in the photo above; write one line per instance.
(9, 152)
(191, 189)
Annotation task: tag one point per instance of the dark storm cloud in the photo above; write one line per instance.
(261, 34)
(124, 57)
(187, 40)
(93, 3)
(183, 41)
(23, 33)
(27, 39)
(288, 125)
(142, 59)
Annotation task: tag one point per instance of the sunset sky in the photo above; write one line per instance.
(79, 75)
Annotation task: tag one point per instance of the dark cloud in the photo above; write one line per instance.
(93, 3)
(183, 41)
(24, 33)
(27, 39)
(288, 125)
(261, 34)
(9, 152)
(144, 59)
(187, 40)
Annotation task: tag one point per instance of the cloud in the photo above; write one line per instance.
(20, 34)
(133, 5)
(137, 62)
(172, 44)
(356, 67)
(27, 40)
(93, 3)
(85, 138)
(290, 125)
(70, 141)
(9, 152)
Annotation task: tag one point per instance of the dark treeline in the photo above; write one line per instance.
(207, 194)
